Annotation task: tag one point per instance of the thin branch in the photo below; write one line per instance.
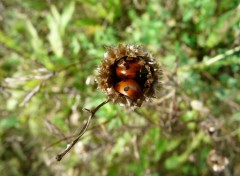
(31, 94)
(222, 56)
(57, 142)
(173, 102)
(75, 135)
(82, 131)
(212, 60)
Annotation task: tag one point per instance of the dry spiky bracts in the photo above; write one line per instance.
(217, 161)
(129, 75)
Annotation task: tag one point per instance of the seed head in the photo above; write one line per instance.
(129, 75)
(217, 161)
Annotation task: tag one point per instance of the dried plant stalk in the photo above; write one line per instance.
(81, 132)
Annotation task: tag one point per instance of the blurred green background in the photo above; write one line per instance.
(49, 52)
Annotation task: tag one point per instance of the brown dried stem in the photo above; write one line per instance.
(75, 135)
(82, 131)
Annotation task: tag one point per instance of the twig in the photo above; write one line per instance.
(82, 131)
(135, 147)
(212, 60)
(222, 56)
(75, 135)
(173, 102)
(30, 95)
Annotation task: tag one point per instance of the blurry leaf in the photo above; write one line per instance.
(161, 147)
(135, 168)
(36, 42)
(75, 45)
(189, 115)
(54, 36)
(55, 14)
(119, 145)
(57, 24)
(173, 144)
(18, 150)
(8, 123)
(86, 22)
(172, 162)
(67, 16)
(105, 36)
(236, 116)
(11, 104)
(223, 24)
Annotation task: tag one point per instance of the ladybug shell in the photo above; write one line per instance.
(129, 88)
(128, 68)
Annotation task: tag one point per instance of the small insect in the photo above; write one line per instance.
(129, 67)
(129, 88)
(133, 73)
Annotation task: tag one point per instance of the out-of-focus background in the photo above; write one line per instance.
(49, 52)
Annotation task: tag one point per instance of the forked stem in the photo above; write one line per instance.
(81, 132)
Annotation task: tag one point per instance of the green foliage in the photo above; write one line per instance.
(49, 52)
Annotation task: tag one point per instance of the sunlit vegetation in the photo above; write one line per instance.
(49, 54)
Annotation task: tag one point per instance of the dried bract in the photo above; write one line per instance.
(217, 161)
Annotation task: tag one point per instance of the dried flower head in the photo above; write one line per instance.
(129, 75)
(217, 161)
(210, 127)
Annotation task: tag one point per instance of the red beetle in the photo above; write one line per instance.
(129, 88)
(127, 68)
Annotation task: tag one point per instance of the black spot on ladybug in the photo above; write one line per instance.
(126, 88)
(127, 67)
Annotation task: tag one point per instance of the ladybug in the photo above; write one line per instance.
(129, 67)
(129, 88)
